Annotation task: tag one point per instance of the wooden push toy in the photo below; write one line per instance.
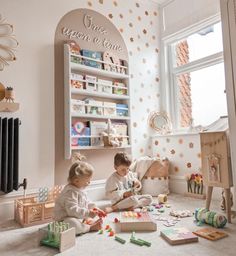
(133, 221)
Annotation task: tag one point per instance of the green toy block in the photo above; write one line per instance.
(134, 241)
(109, 230)
(133, 235)
(145, 242)
(119, 239)
(100, 232)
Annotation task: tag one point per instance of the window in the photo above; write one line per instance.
(196, 82)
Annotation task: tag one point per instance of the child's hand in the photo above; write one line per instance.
(127, 194)
(92, 213)
(100, 213)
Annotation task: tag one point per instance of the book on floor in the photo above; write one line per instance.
(210, 233)
(178, 236)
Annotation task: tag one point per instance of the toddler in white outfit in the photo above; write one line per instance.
(121, 186)
(72, 205)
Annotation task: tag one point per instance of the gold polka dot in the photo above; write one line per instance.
(115, 3)
(155, 13)
(156, 142)
(141, 150)
(191, 145)
(172, 151)
(139, 18)
(181, 155)
(137, 5)
(181, 141)
(121, 16)
(144, 31)
(146, 12)
(130, 53)
(130, 11)
(142, 85)
(176, 168)
(158, 95)
(149, 147)
(145, 135)
(121, 30)
(151, 23)
(131, 24)
(189, 165)
(131, 39)
(144, 60)
(148, 110)
(158, 155)
(153, 37)
(131, 76)
(164, 149)
(156, 50)
(89, 4)
(147, 44)
(134, 124)
(101, 1)
(167, 140)
(157, 79)
(199, 155)
(138, 48)
(139, 36)
(141, 99)
(110, 15)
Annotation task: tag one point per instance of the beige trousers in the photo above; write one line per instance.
(134, 201)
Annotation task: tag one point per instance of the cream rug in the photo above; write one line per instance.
(24, 241)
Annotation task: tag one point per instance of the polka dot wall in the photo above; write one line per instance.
(182, 151)
(138, 23)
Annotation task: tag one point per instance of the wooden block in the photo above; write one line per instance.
(176, 236)
(130, 221)
(67, 239)
(210, 233)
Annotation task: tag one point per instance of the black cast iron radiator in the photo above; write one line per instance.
(9, 154)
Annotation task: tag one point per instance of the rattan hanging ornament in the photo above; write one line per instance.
(8, 43)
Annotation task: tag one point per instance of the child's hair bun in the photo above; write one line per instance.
(77, 157)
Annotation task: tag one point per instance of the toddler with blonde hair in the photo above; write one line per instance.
(72, 206)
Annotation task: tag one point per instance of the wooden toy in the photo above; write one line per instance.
(130, 221)
(162, 198)
(100, 232)
(58, 235)
(145, 242)
(134, 241)
(210, 234)
(112, 233)
(101, 213)
(107, 227)
(120, 240)
(178, 236)
(181, 213)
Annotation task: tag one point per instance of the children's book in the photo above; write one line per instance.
(178, 236)
(210, 233)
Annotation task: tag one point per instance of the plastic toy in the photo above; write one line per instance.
(100, 232)
(139, 241)
(107, 227)
(116, 220)
(101, 214)
(209, 217)
(162, 198)
(43, 194)
(120, 240)
(112, 233)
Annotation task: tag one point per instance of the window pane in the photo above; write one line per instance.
(201, 44)
(201, 96)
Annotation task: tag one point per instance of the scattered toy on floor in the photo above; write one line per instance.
(209, 217)
(162, 198)
(181, 213)
(116, 220)
(120, 240)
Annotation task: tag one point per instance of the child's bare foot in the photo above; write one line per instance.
(96, 225)
(109, 209)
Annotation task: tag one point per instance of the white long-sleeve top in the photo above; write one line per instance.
(72, 202)
(117, 185)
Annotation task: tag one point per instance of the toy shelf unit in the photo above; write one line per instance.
(96, 92)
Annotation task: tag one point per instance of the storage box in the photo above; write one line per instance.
(121, 109)
(29, 212)
(77, 106)
(104, 86)
(93, 107)
(76, 81)
(109, 109)
(93, 55)
(91, 83)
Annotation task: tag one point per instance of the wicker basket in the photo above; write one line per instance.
(29, 212)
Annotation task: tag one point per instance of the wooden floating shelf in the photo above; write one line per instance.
(97, 147)
(9, 106)
(198, 196)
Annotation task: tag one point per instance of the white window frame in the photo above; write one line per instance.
(169, 72)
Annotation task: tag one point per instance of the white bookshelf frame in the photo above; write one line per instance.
(72, 67)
